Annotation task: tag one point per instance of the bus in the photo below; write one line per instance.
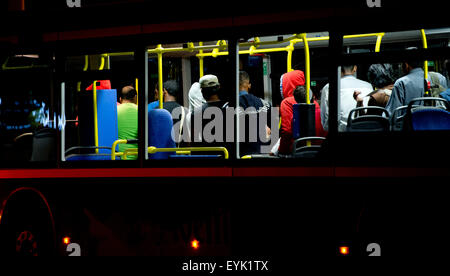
(67, 187)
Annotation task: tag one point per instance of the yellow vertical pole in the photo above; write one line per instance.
(307, 73)
(160, 75)
(201, 61)
(95, 116)
(290, 50)
(425, 46)
(137, 89)
(307, 68)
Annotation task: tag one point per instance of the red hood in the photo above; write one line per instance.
(290, 81)
(104, 85)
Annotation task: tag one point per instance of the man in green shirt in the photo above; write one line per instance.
(127, 119)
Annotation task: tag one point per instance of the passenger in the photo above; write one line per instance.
(210, 88)
(382, 78)
(170, 92)
(349, 84)
(289, 82)
(408, 87)
(196, 99)
(127, 119)
(247, 100)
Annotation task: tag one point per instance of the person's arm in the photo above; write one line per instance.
(397, 98)
(324, 107)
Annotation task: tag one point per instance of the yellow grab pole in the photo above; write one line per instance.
(113, 149)
(160, 74)
(95, 116)
(137, 90)
(201, 61)
(425, 46)
(290, 50)
(378, 45)
(307, 68)
(103, 61)
(153, 150)
(307, 73)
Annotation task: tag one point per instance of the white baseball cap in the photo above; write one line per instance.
(209, 81)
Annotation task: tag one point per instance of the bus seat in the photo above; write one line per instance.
(302, 151)
(433, 115)
(88, 157)
(368, 123)
(44, 145)
(160, 128)
(430, 119)
(303, 120)
(106, 118)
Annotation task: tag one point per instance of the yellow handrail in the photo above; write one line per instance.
(153, 150)
(378, 45)
(113, 149)
(181, 151)
(95, 116)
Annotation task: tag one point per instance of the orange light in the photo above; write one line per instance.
(195, 244)
(344, 250)
(66, 240)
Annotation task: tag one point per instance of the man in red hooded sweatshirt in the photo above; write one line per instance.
(289, 82)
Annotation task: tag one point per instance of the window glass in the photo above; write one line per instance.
(27, 110)
(100, 116)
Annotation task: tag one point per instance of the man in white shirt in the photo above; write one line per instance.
(349, 83)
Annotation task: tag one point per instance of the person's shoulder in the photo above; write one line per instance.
(363, 83)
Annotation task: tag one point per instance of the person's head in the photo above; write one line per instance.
(128, 95)
(381, 75)
(171, 91)
(409, 65)
(300, 94)
(348, 69)
(210, 87)
(244, 81)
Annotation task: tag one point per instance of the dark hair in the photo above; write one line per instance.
(243, 77)
(414, 63)
(172, 88)
(128, 94)
(347, 67)
(210, 91)
(381, 75)
(300, 94)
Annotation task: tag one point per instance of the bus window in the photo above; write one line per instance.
(27, 109)
(177, 73)
(100, 115)
(280, 79)
(374, 97)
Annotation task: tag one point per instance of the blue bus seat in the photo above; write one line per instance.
(160, 128)
(430, 119)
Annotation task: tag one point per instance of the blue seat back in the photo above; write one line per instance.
(430, 119)
(160, 128)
